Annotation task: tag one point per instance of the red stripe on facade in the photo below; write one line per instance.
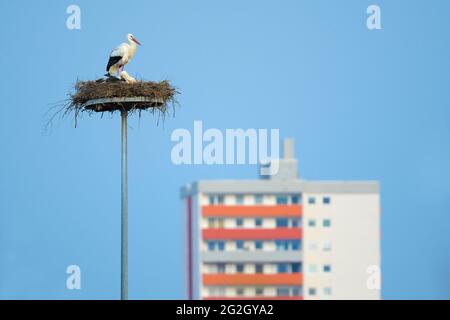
(252, 234)
(221, 279)
(252, 211)
(189, 225)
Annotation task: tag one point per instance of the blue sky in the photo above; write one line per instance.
(361, 105)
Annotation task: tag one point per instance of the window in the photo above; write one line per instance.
(326, 246)
(258, 245)
(282, 222)
(259, 291)
(221, 268)
(282, 200)
(326, 200)
(327, 291)
(213, 245)
(295, 199)
(327, 223)
(240, 291)
(295, 245)
(312, 268)
(296, 291)
(258, 222)
(211, 268)
(240, 199)
(215, 223)
(258, 199)
(283, 292)
(221, 199)
(282, 267)
(311, 223)
(312, 291)
(295, 223)
(311, 200)
(216, 291)
(239, 222)
(295, 267)
(259, 268)
(240, 244)
(239, 268)
(281, 245)
(327, 268)
(212, 200)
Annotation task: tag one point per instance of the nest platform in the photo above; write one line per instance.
(123, 104)
(115, 95)
(112, 94)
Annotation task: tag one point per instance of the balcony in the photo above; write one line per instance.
(260, 211)
(288, 279)
(253, 256)
(252, 234)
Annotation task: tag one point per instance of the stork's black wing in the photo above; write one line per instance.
(112, 61)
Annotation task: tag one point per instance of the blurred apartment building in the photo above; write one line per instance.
(282, 237)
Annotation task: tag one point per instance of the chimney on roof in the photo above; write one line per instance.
(289, 148)
(287, 165)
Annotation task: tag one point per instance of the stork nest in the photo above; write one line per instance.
(113, 94)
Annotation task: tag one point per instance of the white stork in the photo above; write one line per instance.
(121, 55)
(126, 77)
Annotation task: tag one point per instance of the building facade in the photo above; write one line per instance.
(282, 237)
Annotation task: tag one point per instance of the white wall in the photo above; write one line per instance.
(354, 236)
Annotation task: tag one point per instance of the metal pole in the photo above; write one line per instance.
(124, 223)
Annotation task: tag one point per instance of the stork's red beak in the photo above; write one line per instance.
(135, 40)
